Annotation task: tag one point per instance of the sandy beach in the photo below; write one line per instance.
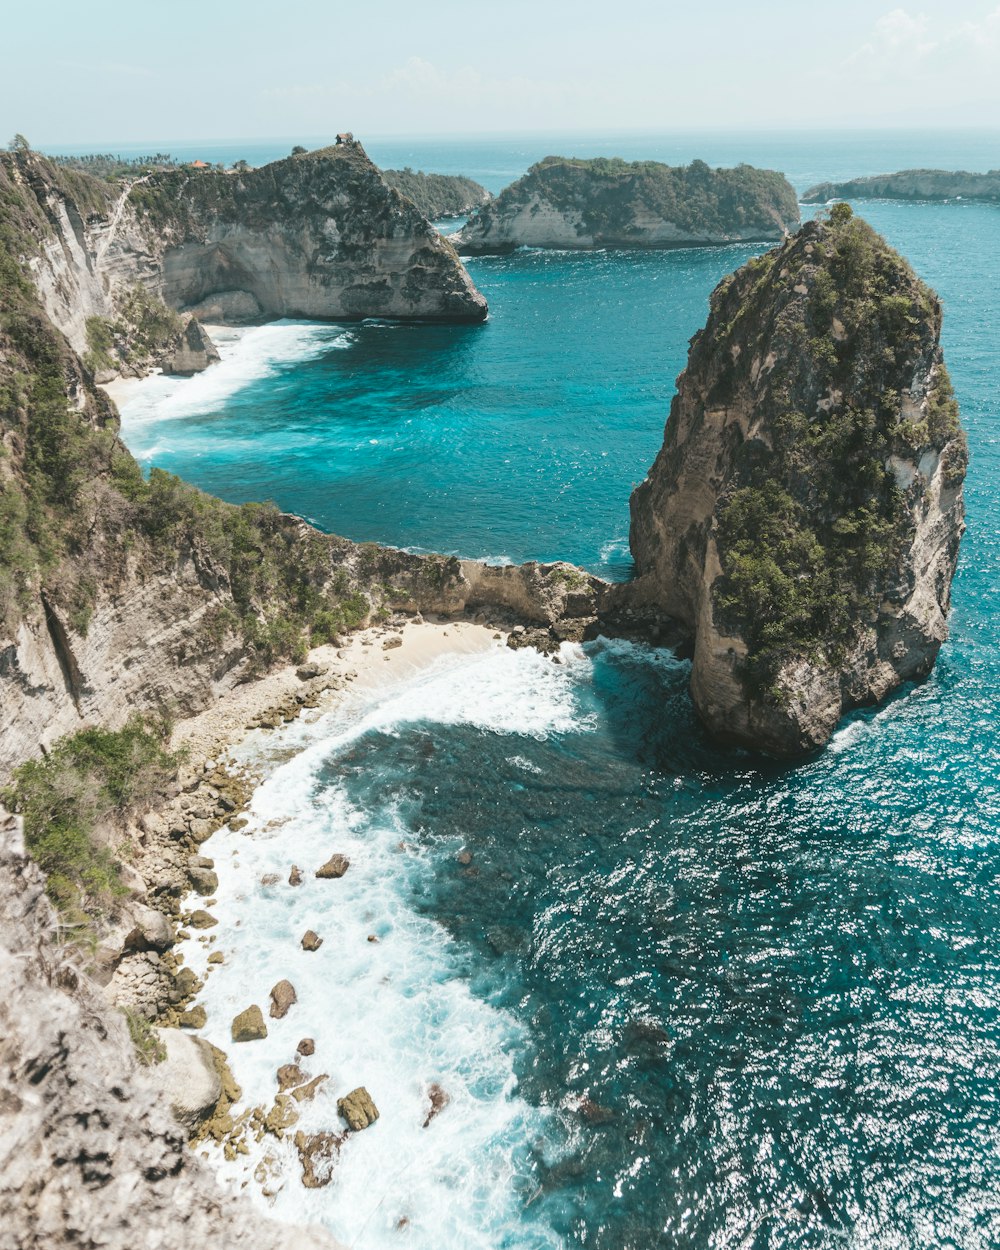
(369, 658)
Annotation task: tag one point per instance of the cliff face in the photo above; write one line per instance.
(564, 203)
(911, 184)
(804, 514)
(316, 235)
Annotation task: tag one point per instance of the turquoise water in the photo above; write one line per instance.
(746, 1006)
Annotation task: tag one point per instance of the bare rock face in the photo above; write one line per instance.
(194, 351)
(803, 517)
(569, 203)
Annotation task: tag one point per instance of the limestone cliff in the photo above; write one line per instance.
(568, 203)
(317, 235)
(911, 184)
(804, 514)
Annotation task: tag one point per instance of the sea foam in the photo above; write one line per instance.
(397, 1014)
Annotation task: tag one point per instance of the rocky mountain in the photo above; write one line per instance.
(568, 203)
(911, 184)
(319, 234)
(438, 195)
(803, 517)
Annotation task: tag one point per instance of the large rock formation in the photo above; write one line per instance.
(318, 235)
(803, 517)
(911, 184)
(565, 203)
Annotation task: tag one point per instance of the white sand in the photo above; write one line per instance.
(362, 661)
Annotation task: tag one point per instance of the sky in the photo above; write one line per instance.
(107, 71)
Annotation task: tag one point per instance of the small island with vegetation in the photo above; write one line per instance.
(564, 202)
(438, 195)
(911, 184)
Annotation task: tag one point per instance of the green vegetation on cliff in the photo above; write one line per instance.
(73, 801)
(616, 199)
(813, 529)
(437, 195)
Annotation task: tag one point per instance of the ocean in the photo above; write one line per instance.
(679, 996)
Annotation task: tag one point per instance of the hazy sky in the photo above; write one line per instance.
(108, 71)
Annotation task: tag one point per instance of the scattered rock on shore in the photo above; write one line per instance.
(306, 1047)
(249, 1025)
(311, 941)
(282, 997)
(358, 1109)
(334, 867)
(318, 1154)
(439, 1099)
(295, 876)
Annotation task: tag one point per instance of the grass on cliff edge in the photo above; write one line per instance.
(74, 800)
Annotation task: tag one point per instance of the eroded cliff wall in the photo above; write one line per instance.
(803, 516)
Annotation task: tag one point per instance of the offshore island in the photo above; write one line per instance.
(797, 535)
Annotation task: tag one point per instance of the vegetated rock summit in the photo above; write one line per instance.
(911, 184)
(438, 195)
(568, 203)
(316, 235)
(803, 516)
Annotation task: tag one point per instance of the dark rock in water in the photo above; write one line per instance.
(358, 1109)
(541, 639)
(282, 997)
(318, 1153)
(295, 876)
(270, 878)
(334, 867)
(307, 1092)
(439, 1099)
(311, 941)
(593, 1113)
(464, 857)
(290, 1075)
(306, 1047)
(249, 1025)
(201, 920)
(803, 517)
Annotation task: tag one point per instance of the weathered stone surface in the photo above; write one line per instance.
(306, 1047)
(187, 1076)
(307, 1092)
(295, 875)
(290, 1075)
(318, 1154)
(249, 1025)
(194, 351)
(203, 880)
(201, 920)
(358, 1109)
(281, 1116)
(311, 941)
(194, 1018)
(813, 449)
(334, 867)
(282, 997)
(151, 930)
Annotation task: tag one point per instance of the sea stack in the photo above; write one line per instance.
(584, 204)
(802, 519)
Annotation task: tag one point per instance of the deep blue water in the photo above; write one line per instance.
(777, 988)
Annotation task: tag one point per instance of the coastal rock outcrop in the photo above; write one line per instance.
(90, 1151)
(911, 184)
(567, 203)
(319, 234)
(803, 517)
